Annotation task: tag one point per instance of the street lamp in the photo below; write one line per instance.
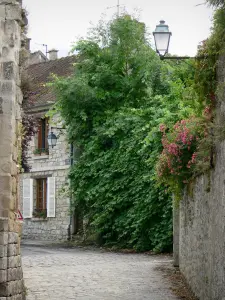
(52, 139)
(162, 38)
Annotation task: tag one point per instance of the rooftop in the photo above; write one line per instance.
(41, 73)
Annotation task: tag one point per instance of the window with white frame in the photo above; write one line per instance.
(39, 197)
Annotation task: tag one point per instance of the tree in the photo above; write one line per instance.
(113, 106)
(216, 3)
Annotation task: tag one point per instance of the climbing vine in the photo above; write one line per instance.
(29, 124)
(188, 144)
(110, 104)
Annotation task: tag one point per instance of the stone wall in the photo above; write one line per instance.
(201, 246)
(51, 229)
(11, 277)
(55, 164)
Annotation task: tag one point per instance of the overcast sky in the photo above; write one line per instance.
(58, 23)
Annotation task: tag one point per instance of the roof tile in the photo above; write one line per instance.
(39, 74)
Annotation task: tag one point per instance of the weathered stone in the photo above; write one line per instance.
(14, 274)
(14, 261)
(13, 250)
(8, 70)
(11, 288)
(3, 251)
(202, 223)
(3, 238)
(4, 224)
(13, 238)
(3, 263)
(13, 12)
(3, 278)
(5, 183)
(2, 12)
(6, 88)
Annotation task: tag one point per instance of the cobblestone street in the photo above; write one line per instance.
(63, 274)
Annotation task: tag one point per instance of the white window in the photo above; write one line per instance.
(39, 197)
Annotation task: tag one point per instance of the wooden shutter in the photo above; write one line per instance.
(27, 198)
(51, 197)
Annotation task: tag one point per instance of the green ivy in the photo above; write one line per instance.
(113, 106)
(189, 144)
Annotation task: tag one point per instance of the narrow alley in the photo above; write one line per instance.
(67, 274)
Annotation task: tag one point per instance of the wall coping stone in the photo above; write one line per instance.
(49, 168)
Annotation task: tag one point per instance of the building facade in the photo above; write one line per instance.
(45, 204)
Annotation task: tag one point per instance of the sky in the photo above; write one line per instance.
(58, 23)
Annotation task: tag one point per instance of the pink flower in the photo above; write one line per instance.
(162, 128)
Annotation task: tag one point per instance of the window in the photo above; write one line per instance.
(39, 197)
(43, 134)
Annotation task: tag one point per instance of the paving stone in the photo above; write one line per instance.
(75, 274)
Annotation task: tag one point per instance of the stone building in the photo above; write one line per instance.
(44, 204)
(12, 22)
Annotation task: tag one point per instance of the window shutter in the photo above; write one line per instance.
(51, 197)
(27, 198)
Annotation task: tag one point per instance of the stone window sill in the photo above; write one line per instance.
(38, 219)
(40, 156)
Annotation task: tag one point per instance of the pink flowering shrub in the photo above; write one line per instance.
(181, 151)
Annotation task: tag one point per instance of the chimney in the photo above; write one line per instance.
(53, 54)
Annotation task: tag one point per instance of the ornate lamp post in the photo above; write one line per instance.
(52, 139)
(162, 38)
(162, 41)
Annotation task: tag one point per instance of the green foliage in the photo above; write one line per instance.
(112, 107)
(216, 3)
(182, 153)
(211, 49)
(188, 145)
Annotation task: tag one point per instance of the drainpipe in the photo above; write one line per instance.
(70, 224)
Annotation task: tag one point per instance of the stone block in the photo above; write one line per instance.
(13, 250)
(4, 213)
(3, 251)
(14, 261)
(4, 224)
(3, 278)
(5, 183)
(14, 274)
(3, 238)
(6, 88)
(8, 70)
(12, 288)
(5, 166)
(14, 12)
(2, 12)
(13, 238)
(8, 2)
(13, 202)
(15, 226)
(3, 263)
